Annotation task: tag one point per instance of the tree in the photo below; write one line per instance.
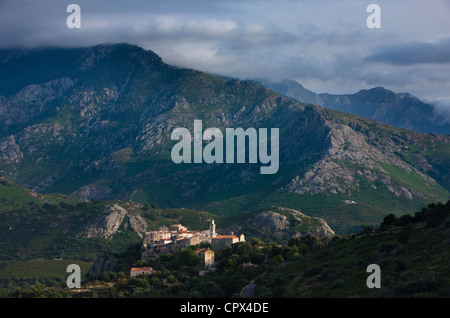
(232, 261)
(389, 220)
(404, 220)
(140, 281)
(294, 253)
(279, 259)
(256, 242)
(258, 258)
(155, 281)
(188, 258)
(367, 229)
(171, 279)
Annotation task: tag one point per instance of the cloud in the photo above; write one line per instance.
(176, 26)
(324, 42)
(432, 52)
(442, 109)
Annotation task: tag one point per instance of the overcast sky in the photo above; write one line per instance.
(325, 45)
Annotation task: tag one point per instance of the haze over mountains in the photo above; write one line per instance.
(397, 109)
(96, 122)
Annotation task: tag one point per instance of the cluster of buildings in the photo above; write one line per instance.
(177, 237)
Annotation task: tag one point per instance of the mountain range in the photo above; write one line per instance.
(95, 123)
(397, 109)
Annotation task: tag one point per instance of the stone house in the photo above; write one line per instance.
(206, 256)
(135, 271)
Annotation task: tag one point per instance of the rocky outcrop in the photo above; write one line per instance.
(10, 150)
(105, 263)
(269, 221)
(283, 223)
(31, 101)
(315, 226)
(137, 224)
(355, 153)
(323, 230)
(113, 217)
(93, 192)
(107, 225)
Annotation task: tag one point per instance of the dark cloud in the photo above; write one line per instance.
(325, 43)
(433, 52)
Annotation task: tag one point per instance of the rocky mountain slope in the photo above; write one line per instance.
(96, 122)
(412, 253)
(43, 226)
(400, 110)
(281, 224)
(108, 223)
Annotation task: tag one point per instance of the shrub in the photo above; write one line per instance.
(141, 282)
(338, 284)
(388, 247)
(415, 287)
(404, 220)
(367, 229)
(326, 276)
(389, 220)
(313, 271)
(400, 266)
(404, 235)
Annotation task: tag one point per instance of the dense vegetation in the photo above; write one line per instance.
(412, 252)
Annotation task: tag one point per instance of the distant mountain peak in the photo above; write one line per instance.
(402, 110)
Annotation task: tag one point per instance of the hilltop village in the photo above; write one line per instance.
(175, 238)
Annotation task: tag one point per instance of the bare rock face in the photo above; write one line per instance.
(10, 150)
(31, 101)
(93, 192)
(271, 221)
(285, 223)
(318, 227)
(324, 230)
(109, 223)
(138, 224)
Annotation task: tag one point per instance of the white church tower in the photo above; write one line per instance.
(212, 229)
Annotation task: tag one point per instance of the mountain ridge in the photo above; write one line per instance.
(401, 110)
(52, 226)
(103, 132)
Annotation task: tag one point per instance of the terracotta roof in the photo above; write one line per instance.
(144, 269)
(221, 237)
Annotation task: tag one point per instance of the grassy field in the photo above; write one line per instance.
(40, 269)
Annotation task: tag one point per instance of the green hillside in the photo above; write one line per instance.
(412, 253)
